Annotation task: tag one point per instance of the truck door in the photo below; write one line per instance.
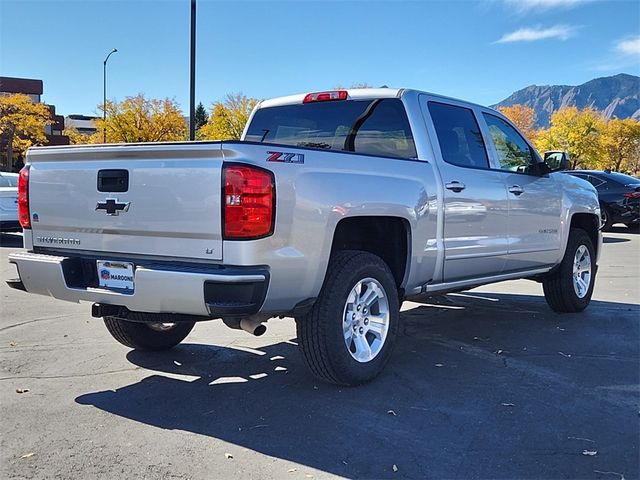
(535, 201)
(475, 197)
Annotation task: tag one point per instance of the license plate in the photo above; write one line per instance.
(116, 275)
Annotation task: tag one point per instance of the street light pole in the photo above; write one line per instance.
(192, 75)
(104, 95)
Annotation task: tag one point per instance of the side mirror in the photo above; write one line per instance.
(557, 160)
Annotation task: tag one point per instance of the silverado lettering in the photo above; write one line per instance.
(58, 240)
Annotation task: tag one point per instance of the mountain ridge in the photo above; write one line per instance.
(617, 96)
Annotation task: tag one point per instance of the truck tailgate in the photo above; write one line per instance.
(169, 205)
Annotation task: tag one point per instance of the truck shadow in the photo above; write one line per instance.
(480, 385)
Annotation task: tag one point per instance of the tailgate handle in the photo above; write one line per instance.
(113, 180)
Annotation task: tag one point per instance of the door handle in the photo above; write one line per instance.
(455, 186)
(516, 190)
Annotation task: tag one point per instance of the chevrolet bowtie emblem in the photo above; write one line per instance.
(112, 207)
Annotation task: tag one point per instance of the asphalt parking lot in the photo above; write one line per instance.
(486, 384)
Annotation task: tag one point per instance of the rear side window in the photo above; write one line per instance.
(514, 154)
(373, 127)
(595, 181)
(592, 180)
(459, 135)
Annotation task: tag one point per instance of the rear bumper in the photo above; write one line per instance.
(210, 291)
(10, 226)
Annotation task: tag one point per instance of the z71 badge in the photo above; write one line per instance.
(284, 157)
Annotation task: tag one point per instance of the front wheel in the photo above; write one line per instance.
(348, 335)
(147, 336)
(570, 287)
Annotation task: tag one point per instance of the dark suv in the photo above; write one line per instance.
(619, 196)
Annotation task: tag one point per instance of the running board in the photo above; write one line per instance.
(477, 282)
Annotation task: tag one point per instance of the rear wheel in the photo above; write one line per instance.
(148, 336)
(570, 287)
(348, 335)
(606, 221)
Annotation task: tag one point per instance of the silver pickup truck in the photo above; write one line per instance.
(332, 209)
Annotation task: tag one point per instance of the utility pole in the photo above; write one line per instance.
(192, 79)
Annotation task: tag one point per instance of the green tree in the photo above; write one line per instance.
(578, 132)
(228, 118)
(22, 124)
(201, 116)
(140, 119)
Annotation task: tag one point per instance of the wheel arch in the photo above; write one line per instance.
(388, 237)
(590, 223)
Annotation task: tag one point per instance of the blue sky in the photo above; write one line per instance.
(477, 50)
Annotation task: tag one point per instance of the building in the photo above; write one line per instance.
(34, 88)
(82, 123)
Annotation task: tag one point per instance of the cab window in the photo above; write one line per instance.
(514, 154)
(459, 136)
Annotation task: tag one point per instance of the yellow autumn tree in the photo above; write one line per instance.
(577, 132)
(228, 118)
(633, 165)
(522, 117)
(141, 119)
(621, 144)
(22, 124)
(78, 138)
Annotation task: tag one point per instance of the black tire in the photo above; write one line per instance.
(320, 331)
(147, 336)
(606, 221)
(558, 287)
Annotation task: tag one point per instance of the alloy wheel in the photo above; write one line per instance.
(365, 320)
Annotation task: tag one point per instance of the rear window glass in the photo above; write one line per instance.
(8, 181)
(373, 127)
(620, 178)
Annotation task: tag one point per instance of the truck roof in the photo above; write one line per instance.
(359, 94)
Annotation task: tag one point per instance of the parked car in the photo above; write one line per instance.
(9, 202)
(332, 209)
(619, 196)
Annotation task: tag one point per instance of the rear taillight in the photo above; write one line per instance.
(632, 194)
(248, 197)
(23, 197)
(326, 96)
